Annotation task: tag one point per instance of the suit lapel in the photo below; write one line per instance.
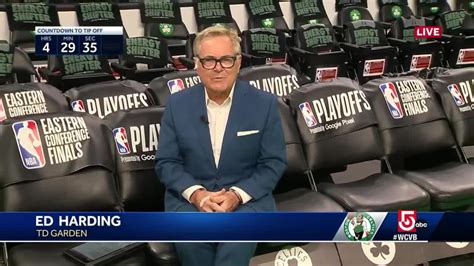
(202, 128)
(236, 114)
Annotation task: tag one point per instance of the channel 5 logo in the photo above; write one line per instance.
(407, 222)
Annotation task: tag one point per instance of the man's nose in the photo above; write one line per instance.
(218, 67)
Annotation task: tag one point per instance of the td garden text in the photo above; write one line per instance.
(73, 226)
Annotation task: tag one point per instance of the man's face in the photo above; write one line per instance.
(219, 79)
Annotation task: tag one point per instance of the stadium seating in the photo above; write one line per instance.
(414, 131)
(103, 98)
(455, 88)
(264, 46)
(317, 53)
(19, 100)
(136, 133)
(145, 58)
(329, 128)
(50, 170)
(266, 14)
(391, 10)
(309, 12)
(160, 88)
(430, 9)
(68, 71)
(414, 54)
(164, 21)
(16, 66)
(212, 12)
(369, 50)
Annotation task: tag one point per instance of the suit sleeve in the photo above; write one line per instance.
(272, 158)
(169, 162)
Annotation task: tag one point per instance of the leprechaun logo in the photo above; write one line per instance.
(359, 226)
(166, 29)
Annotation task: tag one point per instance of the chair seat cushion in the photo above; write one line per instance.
(305, 200)
(52, 254)
(378, 192)
(450, 185)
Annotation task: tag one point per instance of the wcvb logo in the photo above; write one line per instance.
(406, 221)
(121, 140)
(391, 98)
(428, 32)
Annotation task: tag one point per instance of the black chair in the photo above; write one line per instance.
(393, 10)
(145, 58)
(68, 71)
(139, 187)
(431, 9)
(459, 48)
(370, 53)
(466, 5)
(264, 46)
(22, 26)
(163, 20)
(103, 98)
(280, 80)
(88, 14)
(18, 100)
(266, 14)
(317, 53)
(16, 66)
(454, 87)
(161, 88)
(418, 141)
(43, 180)
(309, 12)
(353, 13)
(414, 54)
(334, 139)
(212, 12)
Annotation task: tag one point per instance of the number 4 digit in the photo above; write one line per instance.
(46, 47)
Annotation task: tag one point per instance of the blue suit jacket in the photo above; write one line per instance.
(253, 163)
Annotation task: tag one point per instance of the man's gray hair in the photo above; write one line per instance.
(215, 31)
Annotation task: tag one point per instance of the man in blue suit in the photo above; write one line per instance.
(221, 147)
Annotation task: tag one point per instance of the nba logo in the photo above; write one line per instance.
(308, 115)
(29, 144)
(456, 93)
(121, 141)
(3, 115)
(78, 106)
(175, 85)
(391, 98)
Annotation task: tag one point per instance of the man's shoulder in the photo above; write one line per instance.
(184, 95)
(256, 93)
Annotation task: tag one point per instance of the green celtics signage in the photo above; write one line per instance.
(145, 50)
(98, 14)
(208, 12)
(79, 64)
(264, 8)
(27, 16)
(6, 59)
(359, 227)
(160, 11)
(308, 11)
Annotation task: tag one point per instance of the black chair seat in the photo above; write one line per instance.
(163, 254)
(450, 185)
(52, 254)
(471, 160)
(305, 200)
(375, 193)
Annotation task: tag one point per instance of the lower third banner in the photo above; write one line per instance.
(250, 227)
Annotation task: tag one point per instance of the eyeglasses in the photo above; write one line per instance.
(210, 63)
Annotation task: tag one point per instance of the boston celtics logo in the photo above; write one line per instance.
(434, 10)
(355, 15)
(359, 226)
(313, 21)
(268, 23)
(471, 5)
(166, 29)
(396, 11)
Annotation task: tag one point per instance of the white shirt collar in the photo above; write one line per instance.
(227, 100)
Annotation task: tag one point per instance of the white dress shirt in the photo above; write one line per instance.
(217, 115)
